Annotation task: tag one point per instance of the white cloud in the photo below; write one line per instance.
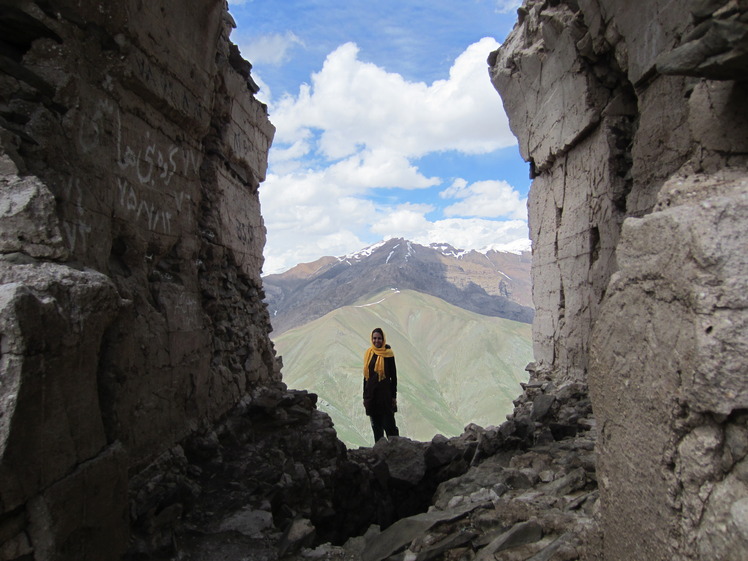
(405, 221)
(285, 256)
(288, 158)
(409, 221)
(265, 94)
(379, 168)
(337, 230)
(357, 128)
(473, 233)
(307, 216)
(458, 187)
(357, 105)
(273, 49)
(303, 231)
(485, 199)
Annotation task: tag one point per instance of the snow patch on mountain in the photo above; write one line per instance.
(411, 251)
(448, 250)
(516, 247)
(393, 291)
(363, 253)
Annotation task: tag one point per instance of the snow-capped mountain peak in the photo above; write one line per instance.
(362, 253)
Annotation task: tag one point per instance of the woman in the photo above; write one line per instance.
(380, 386)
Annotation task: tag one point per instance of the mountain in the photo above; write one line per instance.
(492, 283)
(454, 366)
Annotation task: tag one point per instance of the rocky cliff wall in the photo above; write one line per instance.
(633, 117)
(131, 315)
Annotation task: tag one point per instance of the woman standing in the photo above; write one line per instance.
(380, 386)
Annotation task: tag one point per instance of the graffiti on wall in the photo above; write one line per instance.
(146, 169)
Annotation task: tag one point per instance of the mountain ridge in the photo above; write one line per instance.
(493, 283)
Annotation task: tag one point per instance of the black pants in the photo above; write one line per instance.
(381, 422)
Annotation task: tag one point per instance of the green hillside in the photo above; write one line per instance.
(454, 367)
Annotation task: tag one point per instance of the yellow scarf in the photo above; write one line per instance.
(381, 353)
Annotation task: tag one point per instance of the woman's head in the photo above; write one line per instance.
(377, 337)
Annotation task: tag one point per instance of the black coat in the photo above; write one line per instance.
(379, 395)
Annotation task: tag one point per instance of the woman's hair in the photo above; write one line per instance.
(377, 330)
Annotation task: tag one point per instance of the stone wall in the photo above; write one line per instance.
(131, 315)
(634, 121)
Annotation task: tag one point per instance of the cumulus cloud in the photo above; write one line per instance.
(485, 199)
(346, 224)
(355, 131)
(308, 216)
(379, 168)
(410, 221)
(284, 256)
(474, 233)
(288, 158)
(358, 105)
(405, 221)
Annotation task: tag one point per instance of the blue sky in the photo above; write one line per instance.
(387, 125)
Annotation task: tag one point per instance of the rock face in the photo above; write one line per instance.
(131, 315)
(634, 122)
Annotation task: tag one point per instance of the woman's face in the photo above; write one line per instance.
(377, 340)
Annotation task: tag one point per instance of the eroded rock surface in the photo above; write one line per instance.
(131, 150)
(634, 121)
